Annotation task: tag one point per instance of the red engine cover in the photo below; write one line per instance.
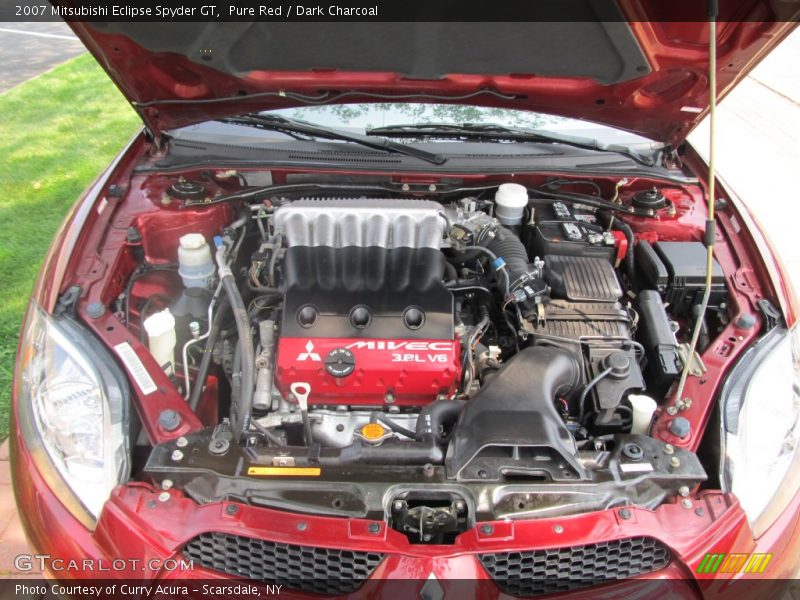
(414, 372)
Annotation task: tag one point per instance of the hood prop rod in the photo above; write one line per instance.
(710, 235)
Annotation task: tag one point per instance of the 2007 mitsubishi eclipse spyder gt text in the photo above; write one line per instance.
(367, 302)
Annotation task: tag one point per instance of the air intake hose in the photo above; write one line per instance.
(433, 416)
(507, 245)
(516, 410)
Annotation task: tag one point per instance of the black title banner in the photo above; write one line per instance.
(395, 11)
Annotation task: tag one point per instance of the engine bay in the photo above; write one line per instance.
(452, 353)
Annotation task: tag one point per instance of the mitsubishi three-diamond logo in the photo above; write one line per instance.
(309, 354)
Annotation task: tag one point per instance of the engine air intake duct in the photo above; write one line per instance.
(511, 427)
(508, 246)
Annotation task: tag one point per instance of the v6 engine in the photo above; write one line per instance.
(366, 318)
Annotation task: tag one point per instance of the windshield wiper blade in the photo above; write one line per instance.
(295, 126)
(517, 134)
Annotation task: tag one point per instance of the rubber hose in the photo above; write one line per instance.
(630, 265)
(390, 452)
(205, 362)
(507, 245)
(432, 417)
(241, 409)
(378, 417)
(451, 274)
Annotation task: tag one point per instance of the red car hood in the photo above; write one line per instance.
(647, 77)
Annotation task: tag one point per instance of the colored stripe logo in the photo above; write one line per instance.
(734, 563)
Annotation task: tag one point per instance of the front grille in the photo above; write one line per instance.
(306, 568)
(561, 569)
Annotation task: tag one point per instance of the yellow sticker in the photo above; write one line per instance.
(287, 471)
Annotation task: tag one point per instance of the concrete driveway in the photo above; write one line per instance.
(28, 49)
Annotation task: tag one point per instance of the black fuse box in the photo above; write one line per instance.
(677, 270)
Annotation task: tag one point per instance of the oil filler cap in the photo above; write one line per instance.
(340, 362)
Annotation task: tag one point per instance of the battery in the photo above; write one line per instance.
(560, 229)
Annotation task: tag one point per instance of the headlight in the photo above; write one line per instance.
(761, 428)
(72, 408)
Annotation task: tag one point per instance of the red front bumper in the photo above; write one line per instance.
(144, 530)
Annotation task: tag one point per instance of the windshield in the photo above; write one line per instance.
(362, 117)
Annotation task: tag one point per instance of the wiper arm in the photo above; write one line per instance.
(518, 134)
(294, 126)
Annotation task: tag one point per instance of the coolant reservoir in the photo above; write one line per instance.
(510, 200)
(195, 264)
(160, 328)
(643, 409)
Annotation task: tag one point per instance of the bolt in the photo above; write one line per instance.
(166, 484)
(406, 187)
(428, 470)
(164, 497)
(684, 491)
(398, 505)
(672, 411)
(487, 529)
(674, 462)
(302, 526)
(680, 427)
(432, 187)
(624, 513)
(374, 528)
(169, 420)
(686, 503)
(558, 529)
(389, 398)
(231, 509)
(669, 449)
(95, 310)
(177, 455)
(699, 511)
(151, 504)
(181, 442)
(460, 506)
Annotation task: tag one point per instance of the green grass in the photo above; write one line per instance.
(58, 132)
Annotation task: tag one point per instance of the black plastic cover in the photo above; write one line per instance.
(685, 265)
(624, 377)
(365, 292)
(655, 334)
(584, 320)
(582, 278)
(511, 428)
(652, 269)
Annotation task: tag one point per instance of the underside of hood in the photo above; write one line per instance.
(649, 77)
